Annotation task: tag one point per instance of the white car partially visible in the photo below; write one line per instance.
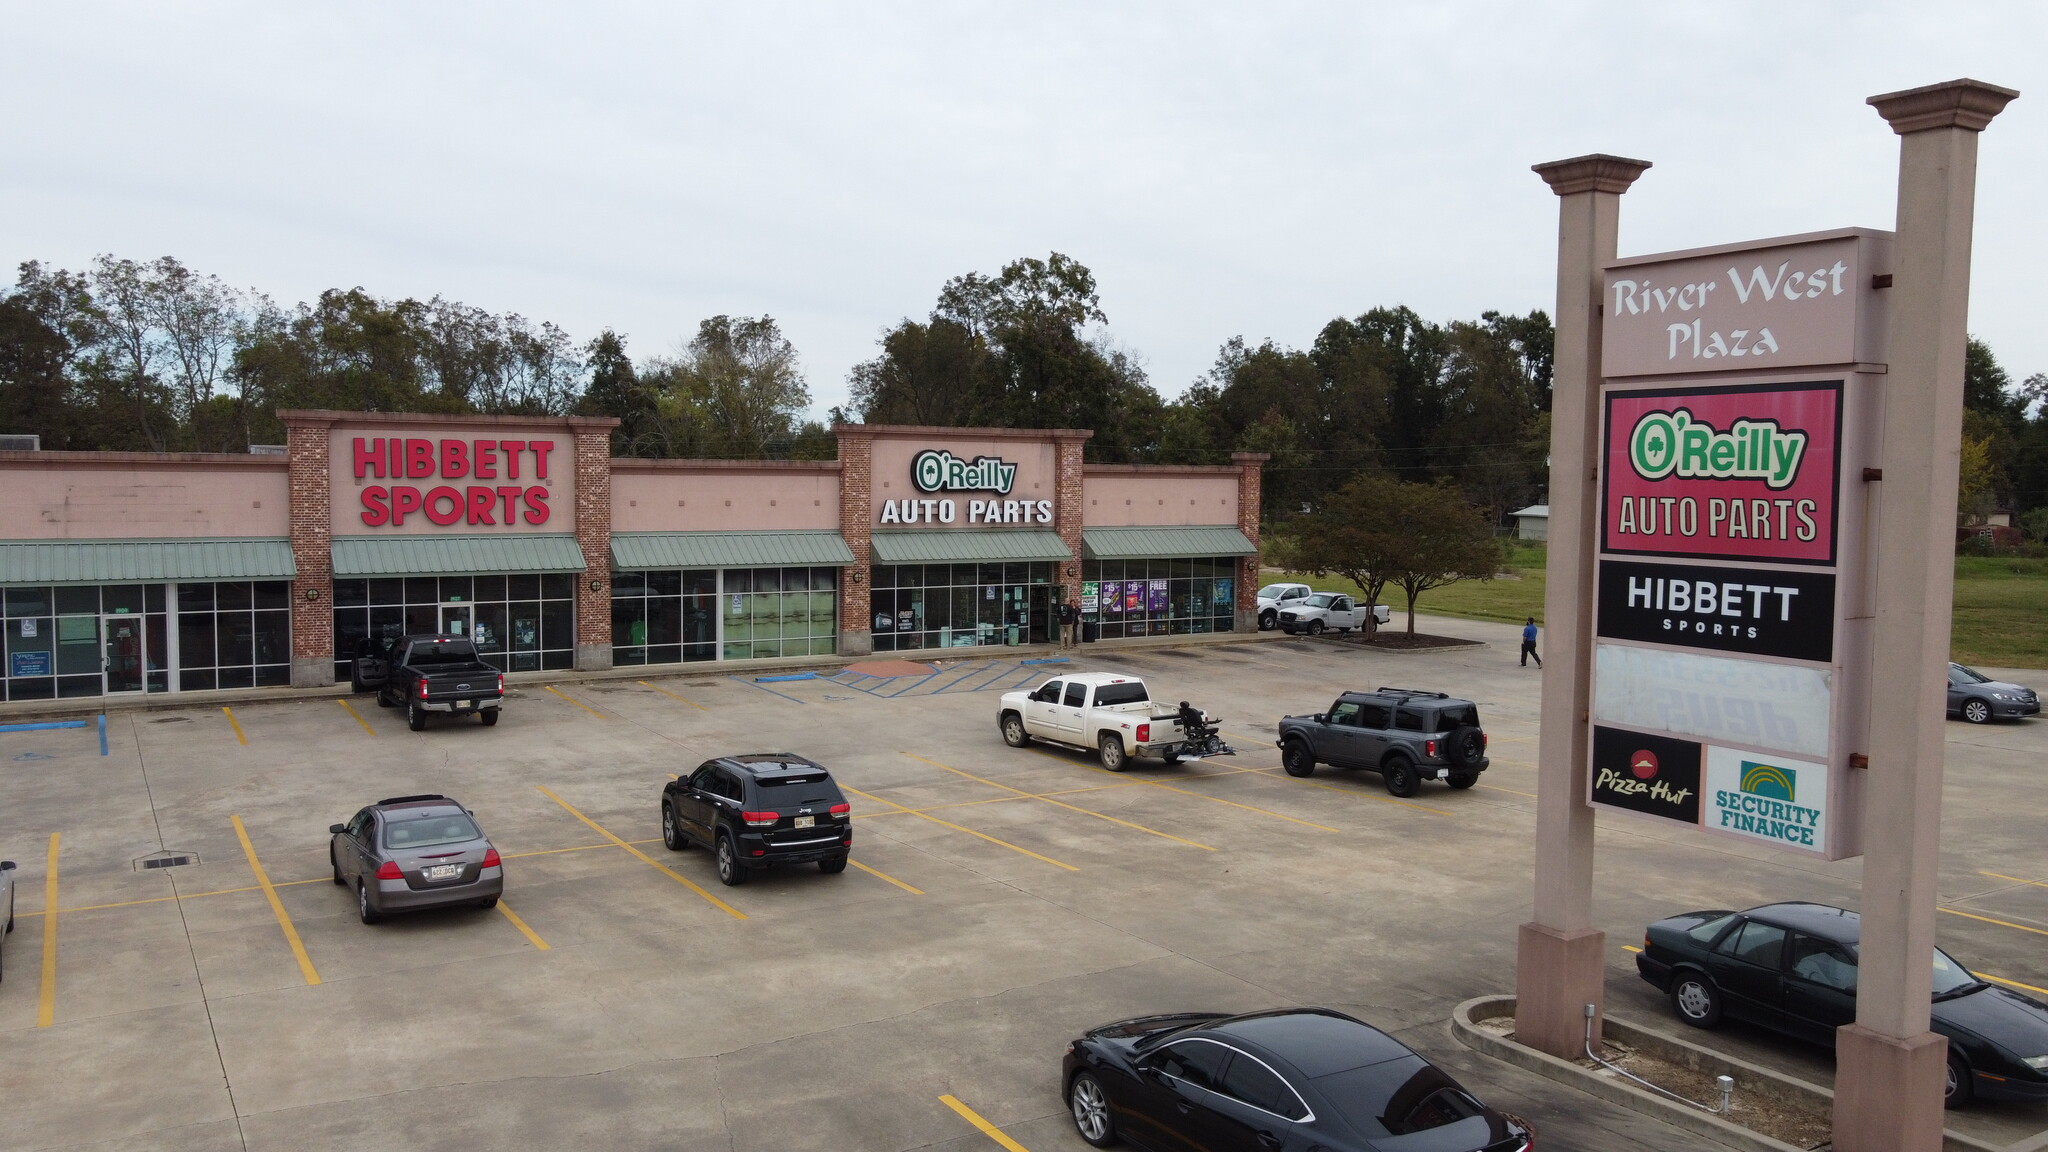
(1274, 597)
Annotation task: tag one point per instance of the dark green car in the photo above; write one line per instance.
(1792, 967)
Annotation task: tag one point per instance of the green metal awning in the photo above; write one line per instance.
(635, 550)
(1164, 542)
(116, 561)
(967, 546)
(454, 555)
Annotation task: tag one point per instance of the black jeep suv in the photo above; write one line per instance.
(759, 810)
(1405, 735)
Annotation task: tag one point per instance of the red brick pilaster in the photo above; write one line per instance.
(312, 531)
(856, 525)
(1249, 496)
(1068, 506)
(594, 536)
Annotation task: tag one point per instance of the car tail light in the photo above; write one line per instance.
(841, 809)
(760, 819)
(760, 851)
(423, 688)
(501, 683)
(389, 871)
(1484, 740)
(491, 859)
(1144, 733)
(1429, 748)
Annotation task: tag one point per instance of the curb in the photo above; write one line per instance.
(28, 710)
(1466, 1017)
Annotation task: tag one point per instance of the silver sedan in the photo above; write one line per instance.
(410, 853)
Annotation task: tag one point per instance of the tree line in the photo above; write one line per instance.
(152, 355)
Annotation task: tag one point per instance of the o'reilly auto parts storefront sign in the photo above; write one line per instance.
(989, 479)
(1731, 638)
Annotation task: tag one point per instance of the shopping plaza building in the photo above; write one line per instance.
(127, 572)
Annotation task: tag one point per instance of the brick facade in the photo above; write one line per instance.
(594, 536)
(1249, 495)
(1069, 506)
(313, 554)
(856, 527)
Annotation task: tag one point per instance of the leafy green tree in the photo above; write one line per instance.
(1379, 530)
(1443, 540)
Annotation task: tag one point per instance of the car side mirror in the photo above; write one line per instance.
(1322, 717)
(336, 829)
(6, 865)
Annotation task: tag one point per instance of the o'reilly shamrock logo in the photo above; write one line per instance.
(1677, 444)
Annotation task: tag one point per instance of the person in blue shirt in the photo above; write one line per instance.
(1529, 644)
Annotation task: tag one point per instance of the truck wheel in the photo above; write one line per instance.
(1111, 748)
(832, 866)
(731, 872)
(1400, 776)
(1315, 627)
(490, 717)
(1463, 779)
(672, 835)
(1268, 619)
(1297, 758)
(1013, 730)
(415, 718)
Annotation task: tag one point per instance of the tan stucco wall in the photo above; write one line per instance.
(560, 481)
(51, 501)
(701, 499)
(1120, 500)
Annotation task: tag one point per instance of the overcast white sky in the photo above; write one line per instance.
(1224, 171)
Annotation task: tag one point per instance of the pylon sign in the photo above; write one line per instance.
(1741, 397)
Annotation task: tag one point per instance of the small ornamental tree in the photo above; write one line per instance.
(1378, 530)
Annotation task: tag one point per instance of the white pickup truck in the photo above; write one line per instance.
(1325, 610)
(1109, 714)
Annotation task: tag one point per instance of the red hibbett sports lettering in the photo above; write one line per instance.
(399, 458)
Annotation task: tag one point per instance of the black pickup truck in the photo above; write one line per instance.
(431, 673)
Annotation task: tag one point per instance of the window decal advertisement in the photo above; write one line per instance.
(1746, 472)
(1112, 597)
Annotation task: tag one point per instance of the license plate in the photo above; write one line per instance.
(464, 703)
(441, 871)
(806, 821)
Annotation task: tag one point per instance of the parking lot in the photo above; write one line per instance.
(1001, 902)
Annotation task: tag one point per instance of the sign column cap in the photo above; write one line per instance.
(1598, 172)
(1965, 103)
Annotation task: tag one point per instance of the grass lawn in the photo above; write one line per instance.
(2001, 605)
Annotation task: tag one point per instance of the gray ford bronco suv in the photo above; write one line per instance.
(1405, 735)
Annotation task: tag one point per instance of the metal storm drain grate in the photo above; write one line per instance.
(166, 860)
(173, 720)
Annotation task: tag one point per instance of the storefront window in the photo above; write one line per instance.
(97, 639)
(521, 622)
(962, 605)
(234, 634)
(1173, 596)
(671, 616)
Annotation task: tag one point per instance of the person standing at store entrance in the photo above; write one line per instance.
(1070, 623)
(1529, 644)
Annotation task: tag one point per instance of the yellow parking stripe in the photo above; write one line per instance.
(576, 702)
(531, 937)
(240, 736)
(1021, 793)
(1364, 795)
(1235, 804)
(1989, 920)
(1000, 799)
(885, 876)
(671, 873)
(358, 715)
(46, 1007)
(987, 1129)
(673, 696)
(284, 920)
(2014, 879)
(2009, 983)
(956, 827)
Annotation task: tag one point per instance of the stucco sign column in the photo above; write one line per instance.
(1890, 1068)
(1559, 960)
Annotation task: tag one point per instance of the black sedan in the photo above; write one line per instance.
(1284, 1081)
(1792, 967)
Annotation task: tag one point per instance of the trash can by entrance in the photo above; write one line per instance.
(1091, 631)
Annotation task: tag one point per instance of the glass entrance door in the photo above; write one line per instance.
(457, 619)
(123, 652)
